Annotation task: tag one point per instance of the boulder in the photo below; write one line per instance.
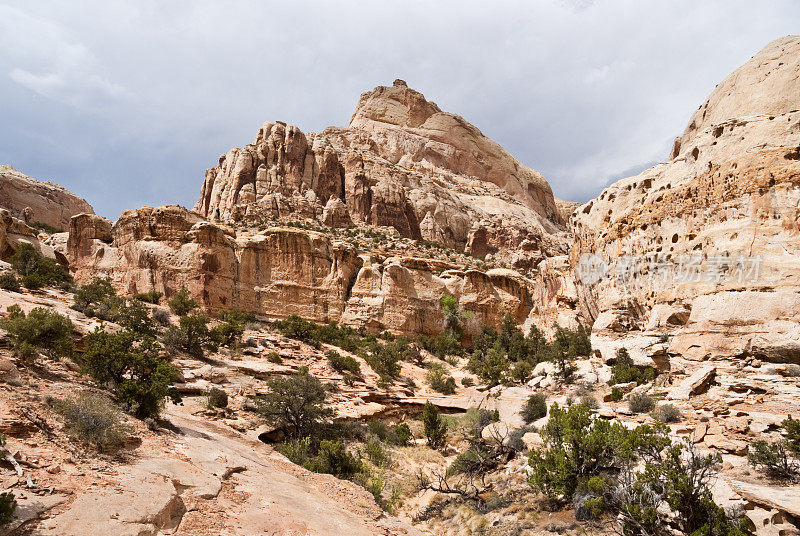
(695, 384)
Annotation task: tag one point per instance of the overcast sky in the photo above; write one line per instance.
(127, 103)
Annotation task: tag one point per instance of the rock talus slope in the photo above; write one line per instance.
(704, 247)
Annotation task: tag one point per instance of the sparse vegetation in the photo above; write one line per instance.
(8, 503)
(666, 413)
(152, 296)
(439, 380)
(294, 403)
(182, 302)
(779, 459)
(36, 270)
(624, 370)
(641, 403)
(435, 427)
(535, 408)
(8, 281)
(217, 398)
(91, 418)
(341, 363)
(41, 330)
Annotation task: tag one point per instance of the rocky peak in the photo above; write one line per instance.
(396, 105)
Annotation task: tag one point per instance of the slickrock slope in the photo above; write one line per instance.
(704, 248)
(32, 201)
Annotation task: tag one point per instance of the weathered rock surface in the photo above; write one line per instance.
(32, 201)
(401, 163)
(713, 232)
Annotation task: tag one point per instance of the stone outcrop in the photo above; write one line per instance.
(401, 163)
(281, 271)
(711, 234)
(33, 201)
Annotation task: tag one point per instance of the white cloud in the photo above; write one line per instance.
(66, 70)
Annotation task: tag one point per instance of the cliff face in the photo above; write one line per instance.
(401, 163)
(32, 201)
(705, 246)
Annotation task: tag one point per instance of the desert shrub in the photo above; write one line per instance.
(578, 445)
(93, 419)
(8, 281)
(641, 403)
(98, 299)
(298, 451)
(491, 366)
(515, 437)
(8, 504)
(217, 398)
(385, 359)
(191, 335)
(616, 394)
(434, 425)
(274, 357)
(131, 364)
(674, 489)
(230, 328)
(666, 413)
(402, 434)
(295, 403)
(440, 380)
(624, 370)
(442, 345)
(377, 453)
(467, 381)
(779, 459)
(161, 317)
(42, 329)
(333, 458)
(182, 302)
(341, 363)
(38, 271)
(149, 297)
(589, 401)
(135, 316)
(535, 408)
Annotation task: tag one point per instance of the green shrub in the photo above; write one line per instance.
(149, 297)
(792, 428)
(131, 364)
(42, 329)
(38, 271)
(773, 458)
(666, 413)
(190, 336)
(624, 370)
(385, 360)
(135, 316)
(442, 345)
(8, 504)
(616, 394)
(403, 434)
(439, 380)
(535, 408)
(641, 403)
(8, 281)
(217, 398)
(334, 459)
(274, 357)
(231, 327)
(341, 363)
(99, 291)
(435, 427)
(467, 381)
(182, 302)
(161, 317)
(295, 403)
(377, 453)
(578, 445)
(93, 419)
(589, 401)
(490, 366)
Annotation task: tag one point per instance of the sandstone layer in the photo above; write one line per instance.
(34, 201)
(698, 256)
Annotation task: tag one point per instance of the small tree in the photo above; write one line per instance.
(41, 329)
(295, 403)
(190, 336)
(439, 380)
(435, 427)
(38, 271)
(8, 504)
(535, 408)
(182, 302)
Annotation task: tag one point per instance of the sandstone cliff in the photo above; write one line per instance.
(35, 201)
(401, 163)
(704, 247)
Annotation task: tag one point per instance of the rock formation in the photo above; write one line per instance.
(401, 163)
(35, 201)
(704, 248)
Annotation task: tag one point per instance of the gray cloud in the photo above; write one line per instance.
(127, 103)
